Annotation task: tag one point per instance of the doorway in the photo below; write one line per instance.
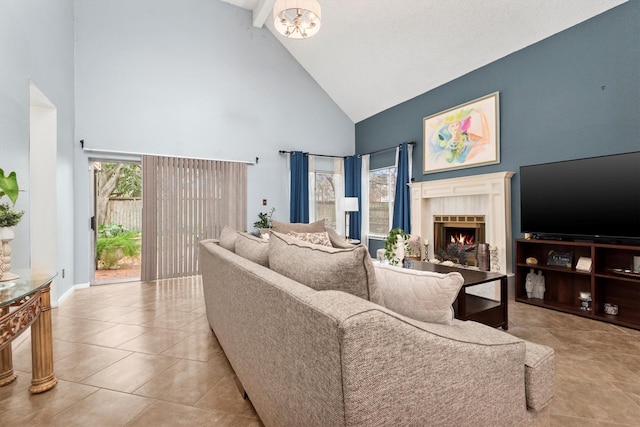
(117, 221)
(43, 192)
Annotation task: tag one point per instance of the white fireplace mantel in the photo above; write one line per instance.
(486, 194)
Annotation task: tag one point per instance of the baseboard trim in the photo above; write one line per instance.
(69, 292)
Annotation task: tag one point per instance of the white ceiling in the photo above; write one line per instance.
(370, 55)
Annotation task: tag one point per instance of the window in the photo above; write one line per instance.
(382, 188)
(325, 197)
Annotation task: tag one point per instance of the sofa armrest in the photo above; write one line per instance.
(398, 371)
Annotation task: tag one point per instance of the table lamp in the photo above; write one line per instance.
(350, 204)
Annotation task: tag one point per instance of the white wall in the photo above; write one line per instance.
(36, 44)
(43, 199)
(194, 78)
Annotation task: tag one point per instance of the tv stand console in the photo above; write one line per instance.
(610, 280)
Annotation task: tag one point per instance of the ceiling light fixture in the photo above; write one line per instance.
(296, 19)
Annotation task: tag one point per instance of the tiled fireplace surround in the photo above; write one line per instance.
(485, 194)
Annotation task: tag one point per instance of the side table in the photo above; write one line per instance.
(26, 301)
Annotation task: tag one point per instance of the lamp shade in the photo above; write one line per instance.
(296, 19)
(350, 204)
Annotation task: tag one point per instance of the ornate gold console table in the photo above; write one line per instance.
(25, 302)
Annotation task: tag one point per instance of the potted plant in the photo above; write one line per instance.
(265, 220)
(8, 219)
(395, 246)
(115, 242)
(9, 188)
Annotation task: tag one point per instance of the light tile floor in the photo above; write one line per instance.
(140, 354)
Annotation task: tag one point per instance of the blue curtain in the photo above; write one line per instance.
(353, 188)
(299, 203)
(402, 200)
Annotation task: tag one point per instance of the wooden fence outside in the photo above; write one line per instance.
(127, 212)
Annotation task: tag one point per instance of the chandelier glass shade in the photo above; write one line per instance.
(296, 19)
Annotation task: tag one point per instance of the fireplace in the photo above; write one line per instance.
(485, 194)
(456, 237)
(473, 195)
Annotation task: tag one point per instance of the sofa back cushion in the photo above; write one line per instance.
(337, 241)
(228, 238)
(324, 267)
(420, 295)
(298, 227)
(253, 248)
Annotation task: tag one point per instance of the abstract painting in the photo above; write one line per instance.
(463, 136)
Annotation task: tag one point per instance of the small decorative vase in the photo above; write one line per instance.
(483, 256)
(398, 253)
(6, 236)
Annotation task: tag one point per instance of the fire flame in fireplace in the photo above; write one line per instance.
(463, 239)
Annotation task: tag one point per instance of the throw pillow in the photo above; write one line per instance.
(316, 238)
(253, 248)
(228, 238)
(337, 241)
(285, 227)
(420, 295)
(323, 267)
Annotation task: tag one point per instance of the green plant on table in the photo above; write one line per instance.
(9, 188)
(265, 219)
(391, 245)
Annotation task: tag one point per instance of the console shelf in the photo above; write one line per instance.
(611, 279)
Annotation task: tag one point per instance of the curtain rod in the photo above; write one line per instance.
(342, 157)
(311, 154)
(386, 149)
(98, 151)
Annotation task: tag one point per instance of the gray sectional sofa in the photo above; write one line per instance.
(310, 357)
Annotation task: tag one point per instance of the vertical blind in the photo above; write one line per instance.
(185, 201)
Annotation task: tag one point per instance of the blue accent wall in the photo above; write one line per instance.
(573, 95)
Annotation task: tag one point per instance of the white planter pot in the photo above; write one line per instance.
(6, 236)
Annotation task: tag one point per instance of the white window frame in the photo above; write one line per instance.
(326, 166)
(393, 171)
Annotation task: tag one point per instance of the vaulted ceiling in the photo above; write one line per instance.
(370, 55)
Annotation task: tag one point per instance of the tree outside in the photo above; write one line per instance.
(118, 218)
(115, 180)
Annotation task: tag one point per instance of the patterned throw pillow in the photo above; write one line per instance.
(298, 227)
(325, 268)
(317, 238)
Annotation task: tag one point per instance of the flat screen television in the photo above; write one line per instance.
(595, 199)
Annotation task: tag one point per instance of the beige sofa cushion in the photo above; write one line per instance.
(228, 238)
(298, 227)
(420, 295)
(253, 248)
(324, 267)
(539, 374)
(337, 241)
(321, 238)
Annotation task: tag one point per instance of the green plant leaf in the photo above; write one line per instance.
(9, 186)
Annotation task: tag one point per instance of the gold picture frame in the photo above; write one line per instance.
(464, 136)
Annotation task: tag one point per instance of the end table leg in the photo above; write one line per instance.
(504, 296)
(42, 347)
(6, 366)
(6, 359)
